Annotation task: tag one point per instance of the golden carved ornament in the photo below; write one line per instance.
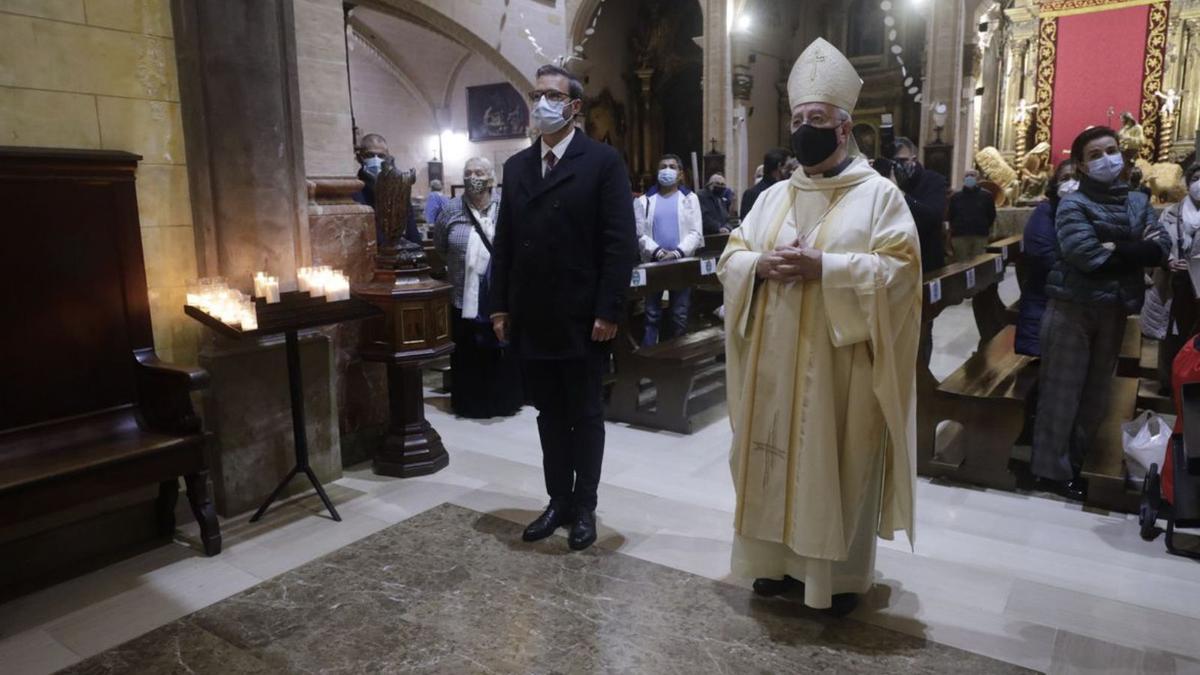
(1152, 74)
(1047, 54)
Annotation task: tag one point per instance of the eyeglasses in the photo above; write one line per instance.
(552, 95)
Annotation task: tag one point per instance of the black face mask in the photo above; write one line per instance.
(814, 145)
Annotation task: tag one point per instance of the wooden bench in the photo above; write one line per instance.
(665, 386)
(988, 397)
(991, 374)
(89, 410)
(1104, 466)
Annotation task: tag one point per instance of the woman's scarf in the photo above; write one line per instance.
(478, 257)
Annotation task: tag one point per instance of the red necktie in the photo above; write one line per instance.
(551, 160)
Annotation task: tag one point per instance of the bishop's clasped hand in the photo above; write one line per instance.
(790, 262)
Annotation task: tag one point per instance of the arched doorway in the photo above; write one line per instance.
(642, 70)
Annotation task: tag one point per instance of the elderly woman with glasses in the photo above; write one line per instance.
(486, 377)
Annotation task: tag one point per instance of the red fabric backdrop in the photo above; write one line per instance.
(1099, 64)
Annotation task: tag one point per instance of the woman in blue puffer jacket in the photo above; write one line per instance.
(1040, 243)
(1107, 236)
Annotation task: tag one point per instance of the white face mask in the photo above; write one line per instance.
(373, 165)
(547, 116)
(1194, 191)
(1106, 169)
(667, 177)
(1067, 187)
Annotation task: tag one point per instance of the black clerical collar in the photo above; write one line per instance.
(839, 168)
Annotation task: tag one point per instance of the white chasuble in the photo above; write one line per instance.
(821, 379)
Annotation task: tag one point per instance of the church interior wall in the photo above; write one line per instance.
(400, 94)
(324, 92)
(96, 74)
(765, 123)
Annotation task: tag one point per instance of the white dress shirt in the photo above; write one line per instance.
(558, 150)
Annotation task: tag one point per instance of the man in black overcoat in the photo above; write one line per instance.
(564, 254)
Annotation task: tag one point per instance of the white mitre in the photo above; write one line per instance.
(823, 74)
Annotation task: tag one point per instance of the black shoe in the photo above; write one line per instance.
(1076, 489)
(555, 516)
(843, 604)
(771, 587)
(583, 532)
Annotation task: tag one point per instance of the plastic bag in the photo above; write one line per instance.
(1145, 440)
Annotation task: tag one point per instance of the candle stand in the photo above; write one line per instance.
(294, 312)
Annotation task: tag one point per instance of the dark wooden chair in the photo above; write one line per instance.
(667, 385)
(89, 410)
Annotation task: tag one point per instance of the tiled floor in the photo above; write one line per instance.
(1027, 580)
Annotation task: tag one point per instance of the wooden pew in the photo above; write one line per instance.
(1012, 251)
(987, 394)
(686, 377)
(89, 411)
(714, 245)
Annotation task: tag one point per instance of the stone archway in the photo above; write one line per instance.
(426, 15)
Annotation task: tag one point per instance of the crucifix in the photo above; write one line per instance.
(818, 59)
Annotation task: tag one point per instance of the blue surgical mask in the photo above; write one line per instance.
(667, 177)
(1106, 169)
(373, 165)
(969, 181)
(547, 116)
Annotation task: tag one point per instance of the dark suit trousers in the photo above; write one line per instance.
(569, 396)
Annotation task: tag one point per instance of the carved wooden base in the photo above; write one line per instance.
(411, 447)
(415, 451)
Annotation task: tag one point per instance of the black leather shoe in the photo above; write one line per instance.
(1076, 489)
(583, 532)
(554, 517)
(843, 604)
(771, 587)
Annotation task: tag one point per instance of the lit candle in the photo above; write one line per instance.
(271, 289)
(249, 319)
(259, 279)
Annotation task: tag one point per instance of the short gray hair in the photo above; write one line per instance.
(484, 163)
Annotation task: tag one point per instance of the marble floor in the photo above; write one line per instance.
(1030, 581)
(456, 591)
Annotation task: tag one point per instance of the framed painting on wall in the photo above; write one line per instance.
(496, 112)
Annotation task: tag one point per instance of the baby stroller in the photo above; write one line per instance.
(1175, 493)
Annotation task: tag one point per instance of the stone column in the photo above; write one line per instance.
(718, 85)
(1183, 74)
(240, 97)
(944, 72)
(340, 230)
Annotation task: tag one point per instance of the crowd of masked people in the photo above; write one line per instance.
(1095, 252)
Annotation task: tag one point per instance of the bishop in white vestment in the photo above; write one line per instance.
(823, 302)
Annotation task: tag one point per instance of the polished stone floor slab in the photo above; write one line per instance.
(455, 591)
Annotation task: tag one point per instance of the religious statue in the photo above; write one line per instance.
(393, 206)
(1165, 180)
(1170, 101)
(1166, 126)
(1021, 121)
(1131, 137)
(1023, 110)
(991, 163)
(1035, 174)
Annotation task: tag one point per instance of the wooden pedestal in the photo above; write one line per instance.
(411, 447)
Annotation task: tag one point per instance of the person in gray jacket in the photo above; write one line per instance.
(1107, 237)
